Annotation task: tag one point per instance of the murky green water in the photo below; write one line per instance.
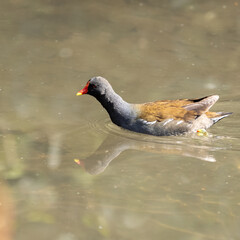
(127, 185)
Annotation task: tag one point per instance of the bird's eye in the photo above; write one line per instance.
(94, 86)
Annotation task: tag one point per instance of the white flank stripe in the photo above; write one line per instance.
(167, 121)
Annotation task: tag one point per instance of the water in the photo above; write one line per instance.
(125, 185)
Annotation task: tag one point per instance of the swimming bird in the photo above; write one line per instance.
(160, 118)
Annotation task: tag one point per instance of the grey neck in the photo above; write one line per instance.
(119, 110)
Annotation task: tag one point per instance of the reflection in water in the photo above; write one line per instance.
(6, 212)
(54, 154)
(142, 199)
(112, 146)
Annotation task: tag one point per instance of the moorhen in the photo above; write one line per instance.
(160, 118)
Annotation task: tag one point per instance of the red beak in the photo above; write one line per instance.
(84, 90)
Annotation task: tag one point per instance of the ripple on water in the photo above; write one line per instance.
(119, 139)
(211, 142)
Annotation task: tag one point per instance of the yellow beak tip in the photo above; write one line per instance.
(78, 94)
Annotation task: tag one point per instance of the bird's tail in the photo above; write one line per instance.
(219, 116)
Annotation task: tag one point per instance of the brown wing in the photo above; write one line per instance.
(183, 109)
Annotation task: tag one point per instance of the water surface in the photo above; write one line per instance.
(126, 185)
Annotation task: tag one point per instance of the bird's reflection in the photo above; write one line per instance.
(113, 146)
